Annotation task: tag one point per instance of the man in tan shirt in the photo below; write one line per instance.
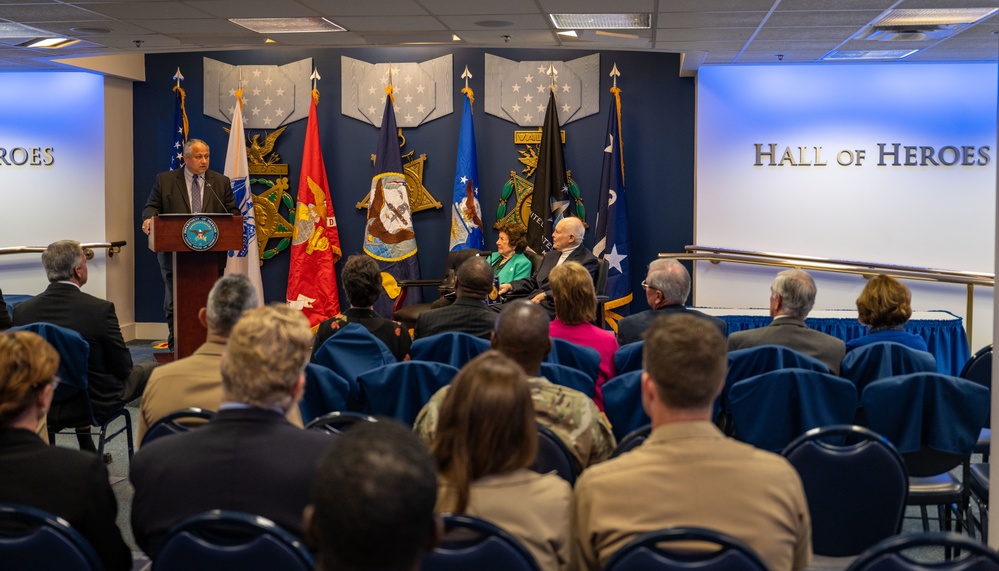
(688, 473)
(196, 381)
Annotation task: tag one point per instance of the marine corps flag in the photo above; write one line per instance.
(247, 260)
(466, 215)
(388, 236)
(549, 201)
(315, 245)
(612, 220)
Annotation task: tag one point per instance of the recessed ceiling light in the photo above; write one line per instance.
(12, 30)
(569, 33)
(287, 25)
(853, 55)
(455, 38)
(602, 21)
(933, 16)
(49, 43)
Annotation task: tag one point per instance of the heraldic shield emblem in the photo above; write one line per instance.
(200, 233)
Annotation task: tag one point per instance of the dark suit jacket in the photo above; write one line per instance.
(631, 328)
(249, 460)
(793, 333)
(538, 283)
(465, 315)
(67, 483)
(169, 194)
(5, 322)
(95, 319)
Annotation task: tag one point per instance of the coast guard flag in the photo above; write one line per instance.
(612, 219)
(315, 245)
(388, 236)
(466, 215)
(247, 260)
(549, 201)
(179, 130)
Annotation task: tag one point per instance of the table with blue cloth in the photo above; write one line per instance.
(943, 331)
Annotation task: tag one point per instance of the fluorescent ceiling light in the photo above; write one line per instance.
(50, 43)
(455, 38)
(854, 55)
(933, 16)
(602, 21)
(569, 33)
(287, 25)
(12, 30)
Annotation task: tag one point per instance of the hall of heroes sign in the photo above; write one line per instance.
(888, 154)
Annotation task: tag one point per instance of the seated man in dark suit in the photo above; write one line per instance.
(567, 242)
(249, 458)
(667, 286)
(469, 312)
(373, 501)
(113, 380)
(792, 296)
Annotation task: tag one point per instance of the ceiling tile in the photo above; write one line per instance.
(336, 8)
(390, 23)
(520, 22)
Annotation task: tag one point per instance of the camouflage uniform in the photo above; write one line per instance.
(568, 413)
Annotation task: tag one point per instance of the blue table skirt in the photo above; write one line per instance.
(945, 338)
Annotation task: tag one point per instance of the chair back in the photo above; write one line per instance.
(473, 543)
(231, 540)
(979, 370)
(553, 455)
(569, 377)
(535, 259)
(450, 348)
(177, 422)
(889, 555)
(325, 391)
(633, 440)
(651, 552)
(933, 420)
(600, 278)
(884, 359)
(856, 484)
(74, 356)
(623, 403)
(30, 537)
(336, 423)
(351, 351)
(746, 363)
(772, 409)
(585, 359)
(629, 357)
(400, 390)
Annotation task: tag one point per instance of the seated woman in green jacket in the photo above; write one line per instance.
(509, 262)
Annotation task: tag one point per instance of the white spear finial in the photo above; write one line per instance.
(615, 74)
(178, 77)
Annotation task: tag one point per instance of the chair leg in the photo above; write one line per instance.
(926, 519)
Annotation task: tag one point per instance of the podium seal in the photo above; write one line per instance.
(200, 233)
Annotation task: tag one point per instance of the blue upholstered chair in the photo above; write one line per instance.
(326, 391)
(351, 351)
(856, 485)
(628, 357)
(632, 440)
(472, 543)
(336, 423)
(652, 552)
(400, 390)
(569, 377)
(979, 370)
(33, 539)
(869, 363)
(231, 540)
(177, 422)
(585, 359)
(553, 455)
(889, 555)
(451, 348)
(623, 403)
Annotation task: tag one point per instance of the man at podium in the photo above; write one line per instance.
(192, 189)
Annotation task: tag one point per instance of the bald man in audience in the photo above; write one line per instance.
(667, 287)
(522, 334)
(469, 313)
(792, 296)
(687, 473)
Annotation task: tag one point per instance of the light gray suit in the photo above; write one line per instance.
(793, 333)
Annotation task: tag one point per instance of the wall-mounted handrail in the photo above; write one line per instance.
(112, 248)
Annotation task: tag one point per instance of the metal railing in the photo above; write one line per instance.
(717, 255)
(88, 249)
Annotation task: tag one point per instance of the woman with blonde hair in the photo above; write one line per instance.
(486, 439)
(575, 307)
(63, 482)
(885, 305)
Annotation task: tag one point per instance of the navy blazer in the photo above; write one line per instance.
(466, 315)
(169, 195)
(631, 328)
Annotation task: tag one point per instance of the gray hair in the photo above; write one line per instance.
(60, 259)
(669, 277)
(190, 143)
(575, 227)
(229, 298)
(797, 292)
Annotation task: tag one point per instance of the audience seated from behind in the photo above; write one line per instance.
(884, 306)
(687, 473)
(362, 280)
(112, 378)
(575, 308)
(486, 439)
(5, 322)
(63, 482)
(508, 261)
(373, 501)
(667, 287)
(522, 335)
(249, 458)
(196, 381)
(792, 296)
(469, 313)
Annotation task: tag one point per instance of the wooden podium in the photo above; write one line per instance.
(194, 271)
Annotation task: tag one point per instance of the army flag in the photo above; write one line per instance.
(247, 260)
(179, 128)
(466, 215)
(315, 245)
(549, 201)
(389, 237)
(612, 219)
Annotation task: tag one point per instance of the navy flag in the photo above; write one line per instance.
(389, 237)
(466, 215)
(612, 220)
(550, 199)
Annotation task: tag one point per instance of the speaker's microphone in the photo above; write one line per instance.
(215, 194)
